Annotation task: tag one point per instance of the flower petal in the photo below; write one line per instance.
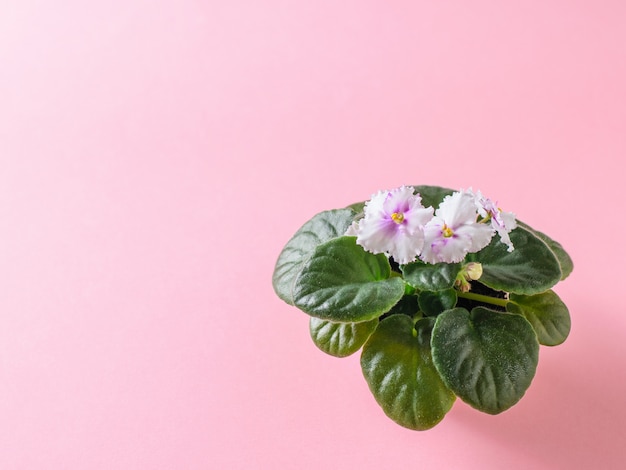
(439, 248)
(393, 223)
(457, 209)
(400, 200)
(405, 247)
(476, 236)
(374, 233)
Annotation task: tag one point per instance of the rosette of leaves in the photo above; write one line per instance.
(424, 341)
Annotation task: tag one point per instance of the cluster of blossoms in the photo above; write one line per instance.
(396, 223)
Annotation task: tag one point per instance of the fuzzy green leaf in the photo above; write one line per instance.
(321, 228)
(547, 314)
(434, 302)
(342, 282)
(433, 277)
(487, 358)
(565, 261)
(398, 368)
(529, 269)
(340, 339)
(432, 195)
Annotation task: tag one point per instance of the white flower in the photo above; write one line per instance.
(353, 229)
(454, 231)
(393, 224)
(501, 222)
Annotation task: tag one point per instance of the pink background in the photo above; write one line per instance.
(155, 157)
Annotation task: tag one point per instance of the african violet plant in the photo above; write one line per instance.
(445, 302)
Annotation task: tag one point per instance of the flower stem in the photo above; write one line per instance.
(483, 298)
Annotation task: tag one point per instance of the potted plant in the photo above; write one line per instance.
(446, 294)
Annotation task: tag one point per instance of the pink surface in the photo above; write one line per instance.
(155, 156)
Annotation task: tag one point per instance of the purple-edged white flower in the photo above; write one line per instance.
(393, 224)
(504, 222)
(501, 222)
(454, 232)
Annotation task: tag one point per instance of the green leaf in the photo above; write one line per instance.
(321, 228)
(340, 339)
(434, 302)
(407, 305)
(547, 314)
(432, 195)
(342, 282)
(566, 263)
(486, 357)
(426, 276)
(398, 368)
(529, 269)
(357, 207)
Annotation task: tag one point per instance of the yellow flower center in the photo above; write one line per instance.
(397, 217)
(446, 231)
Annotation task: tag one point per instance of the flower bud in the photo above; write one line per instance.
(473, 271)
